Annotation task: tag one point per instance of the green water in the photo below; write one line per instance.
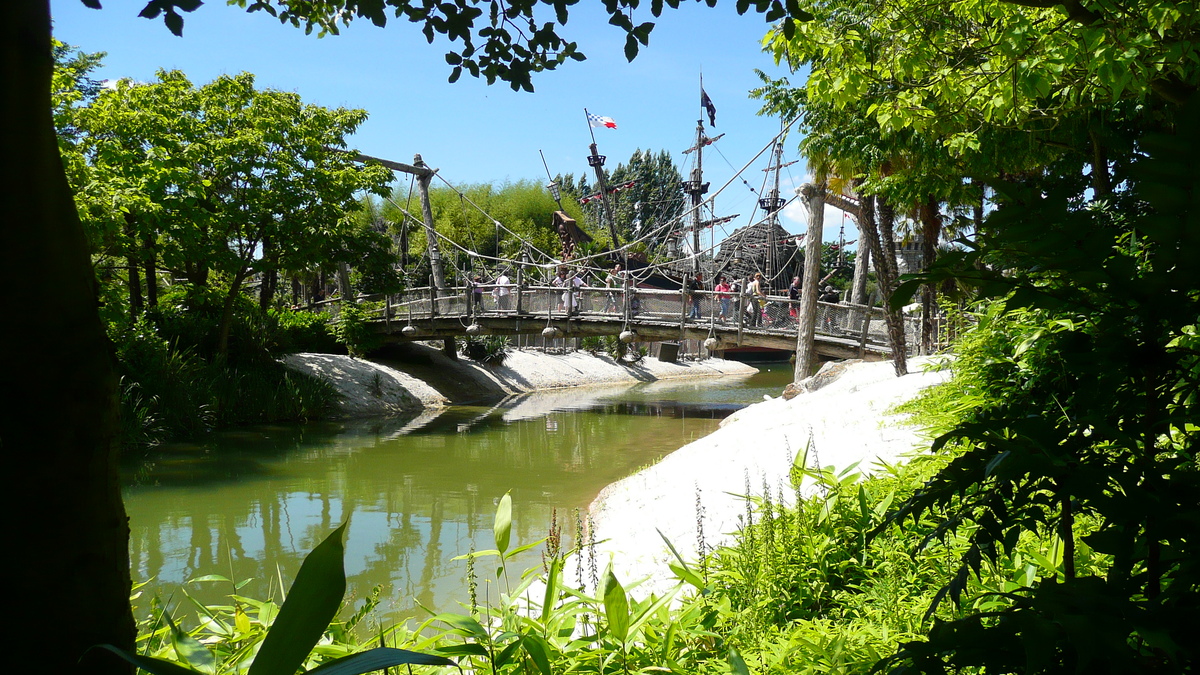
(249, 505)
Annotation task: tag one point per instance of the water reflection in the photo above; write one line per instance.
(418, 491)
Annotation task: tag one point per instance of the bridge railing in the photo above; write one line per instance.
(773, 314)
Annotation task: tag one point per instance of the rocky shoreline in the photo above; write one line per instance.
(419, 377)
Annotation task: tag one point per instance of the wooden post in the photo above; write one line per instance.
(517, 291)
(866, 328)
(683, 312)
(432, 299)
(741, 311)
(814, 200)
(435, 256)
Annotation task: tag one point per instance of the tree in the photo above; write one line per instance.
(1085, 378)
(221, 180)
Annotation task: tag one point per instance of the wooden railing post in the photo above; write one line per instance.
(432, 298)
(517, 291)
(683, 312)
(866, 327)
(741, 311)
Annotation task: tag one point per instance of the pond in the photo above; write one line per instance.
(249, 505)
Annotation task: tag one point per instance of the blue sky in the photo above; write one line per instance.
(471, 131)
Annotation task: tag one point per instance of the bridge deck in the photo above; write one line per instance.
(842, 330)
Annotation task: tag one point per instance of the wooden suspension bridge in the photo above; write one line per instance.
(636, 314)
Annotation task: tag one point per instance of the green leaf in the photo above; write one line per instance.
(502, 529)
(464, 623)
(548, 600)
(378, 659)
(149, 663)
(616, 606)
(191, 652)
(536, 648)
(208, 577)
(464, 649)
(310, 606)
(737, 665)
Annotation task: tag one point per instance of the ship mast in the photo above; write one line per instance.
(695, 187)
(771, 205)
(596, 161)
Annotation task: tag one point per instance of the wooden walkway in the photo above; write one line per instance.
(652, 315)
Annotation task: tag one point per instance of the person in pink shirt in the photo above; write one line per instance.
(723, 294)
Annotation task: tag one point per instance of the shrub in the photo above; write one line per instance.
(353, 330)
(298, 331)
(487, 349)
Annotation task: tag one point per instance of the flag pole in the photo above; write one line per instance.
(587, 118)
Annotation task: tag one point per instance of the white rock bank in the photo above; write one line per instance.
(846, 420)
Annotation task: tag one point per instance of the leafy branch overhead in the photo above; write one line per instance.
(501, 41)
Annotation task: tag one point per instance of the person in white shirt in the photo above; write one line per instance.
(501, 290)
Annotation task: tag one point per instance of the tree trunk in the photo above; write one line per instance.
(266, 290)
(70, 541)
(150, 265)
(266, 287)
(1101, 182)
(886, 276)
(806, 356)
(931, 230)
(887, 255)
(235, 287)
(133, 283)
(862, 265)
(344, 287)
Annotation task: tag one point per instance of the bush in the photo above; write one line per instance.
(297, 331)
(487, 349)
(353, 330)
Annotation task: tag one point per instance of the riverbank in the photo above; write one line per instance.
(844, 422)
(416, 377)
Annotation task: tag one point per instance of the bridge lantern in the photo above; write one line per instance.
(408, 331)
(474, 329)
(550, 332)
(627, 336)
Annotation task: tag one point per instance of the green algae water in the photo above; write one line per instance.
(248, 505)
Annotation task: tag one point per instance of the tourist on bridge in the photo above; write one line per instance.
(794, 296)
(758, 298)
(501, 290)
(570, 297)
(476, 288)
(614, 281)
(692, 288)
(723, 290)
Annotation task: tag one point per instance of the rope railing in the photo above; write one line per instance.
(699, 310)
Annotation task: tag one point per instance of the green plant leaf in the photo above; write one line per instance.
(502, 529)
(549, 599)
(737, 665)
(536, 648)
(378, 659)
(464, 649)
(311, 604)
(149, 663)
(616, 606)
(464, 623)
